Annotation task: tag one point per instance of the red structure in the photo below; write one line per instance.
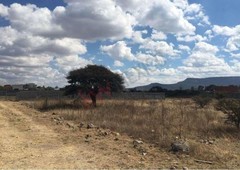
(226, 89)
(7, 87)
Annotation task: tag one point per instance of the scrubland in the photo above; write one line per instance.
(159, 122)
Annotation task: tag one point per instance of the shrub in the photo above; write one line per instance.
(231, 107)
(202, 101)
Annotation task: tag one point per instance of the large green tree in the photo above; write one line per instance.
(93, 79)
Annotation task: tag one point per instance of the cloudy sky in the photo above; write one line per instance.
(145, 41)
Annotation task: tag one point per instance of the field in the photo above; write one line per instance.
(106, 134)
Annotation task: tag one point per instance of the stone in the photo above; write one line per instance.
(90, 126)
(180, 146)
(87, 136)
(70, 125)
(211, 142)
(185, 168)
(137, 142)
(116, 134)
(81, 125)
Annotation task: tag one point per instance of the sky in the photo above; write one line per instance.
(145, 41)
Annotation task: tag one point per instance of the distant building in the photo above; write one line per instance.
(226, 89)
(28, 86)
(7, 87)
(18, 87)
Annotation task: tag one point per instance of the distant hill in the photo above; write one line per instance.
(194, 82)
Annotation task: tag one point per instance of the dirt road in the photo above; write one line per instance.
(27, 141)
(32, 139)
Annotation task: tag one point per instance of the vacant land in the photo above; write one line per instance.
(106, 136)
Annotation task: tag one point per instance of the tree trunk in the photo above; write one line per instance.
(94, 99)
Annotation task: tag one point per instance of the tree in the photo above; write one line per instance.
(93, 79)
(231, 107)
(202, 100)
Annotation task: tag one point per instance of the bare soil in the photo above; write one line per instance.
(32, 139)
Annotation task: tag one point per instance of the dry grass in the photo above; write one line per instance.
(157, 121)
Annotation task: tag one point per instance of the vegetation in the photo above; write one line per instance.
(93, 79)
(202, 100)
(231, 107)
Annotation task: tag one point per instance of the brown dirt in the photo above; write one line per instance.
(31, 139)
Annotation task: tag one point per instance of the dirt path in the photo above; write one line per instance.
(32, 139)
(25, 143)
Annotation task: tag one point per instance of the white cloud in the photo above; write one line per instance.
(167, 14)
(203, 47)
(32, 19)
(233, 43)
(158, 35)
(68, 63)
(3, 10)
(159, 48)
(159, 14)
(204, 60)
(225, 30)
(137, 37)
(195, 12)
(184, 48)
(118, 51)
(118, 63)
(190, 38)
(182, 4)
(91, 20)
(149, 59)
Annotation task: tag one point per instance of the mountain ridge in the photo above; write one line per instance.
(188, 83)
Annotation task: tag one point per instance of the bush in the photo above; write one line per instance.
(231, 107)
(202, 101)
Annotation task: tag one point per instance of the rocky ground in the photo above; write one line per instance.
(32, 139)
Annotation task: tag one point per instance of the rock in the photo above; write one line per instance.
(180, 146)
(116, 139)
(137, 142)
(90, 126)
(87, 140)
(211, 142)
(87, 136)
(185, 168)
(116, 134)
(70, 125)
(81, 125)
(172, 168)
(54, 113)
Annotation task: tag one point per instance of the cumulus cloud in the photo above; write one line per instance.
(184, 48)
(118, 63)
(30, 18)
(232, 33)
(204, 60)
(190, 38)
(93, 20)
(159, 48)
(89, 20)
(149, 59)
(118, 51)
(3, 10)
(158, 35)
(167, 14)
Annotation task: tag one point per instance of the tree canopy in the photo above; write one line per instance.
(91, 78)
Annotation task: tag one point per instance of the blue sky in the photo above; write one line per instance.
(145, 41)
